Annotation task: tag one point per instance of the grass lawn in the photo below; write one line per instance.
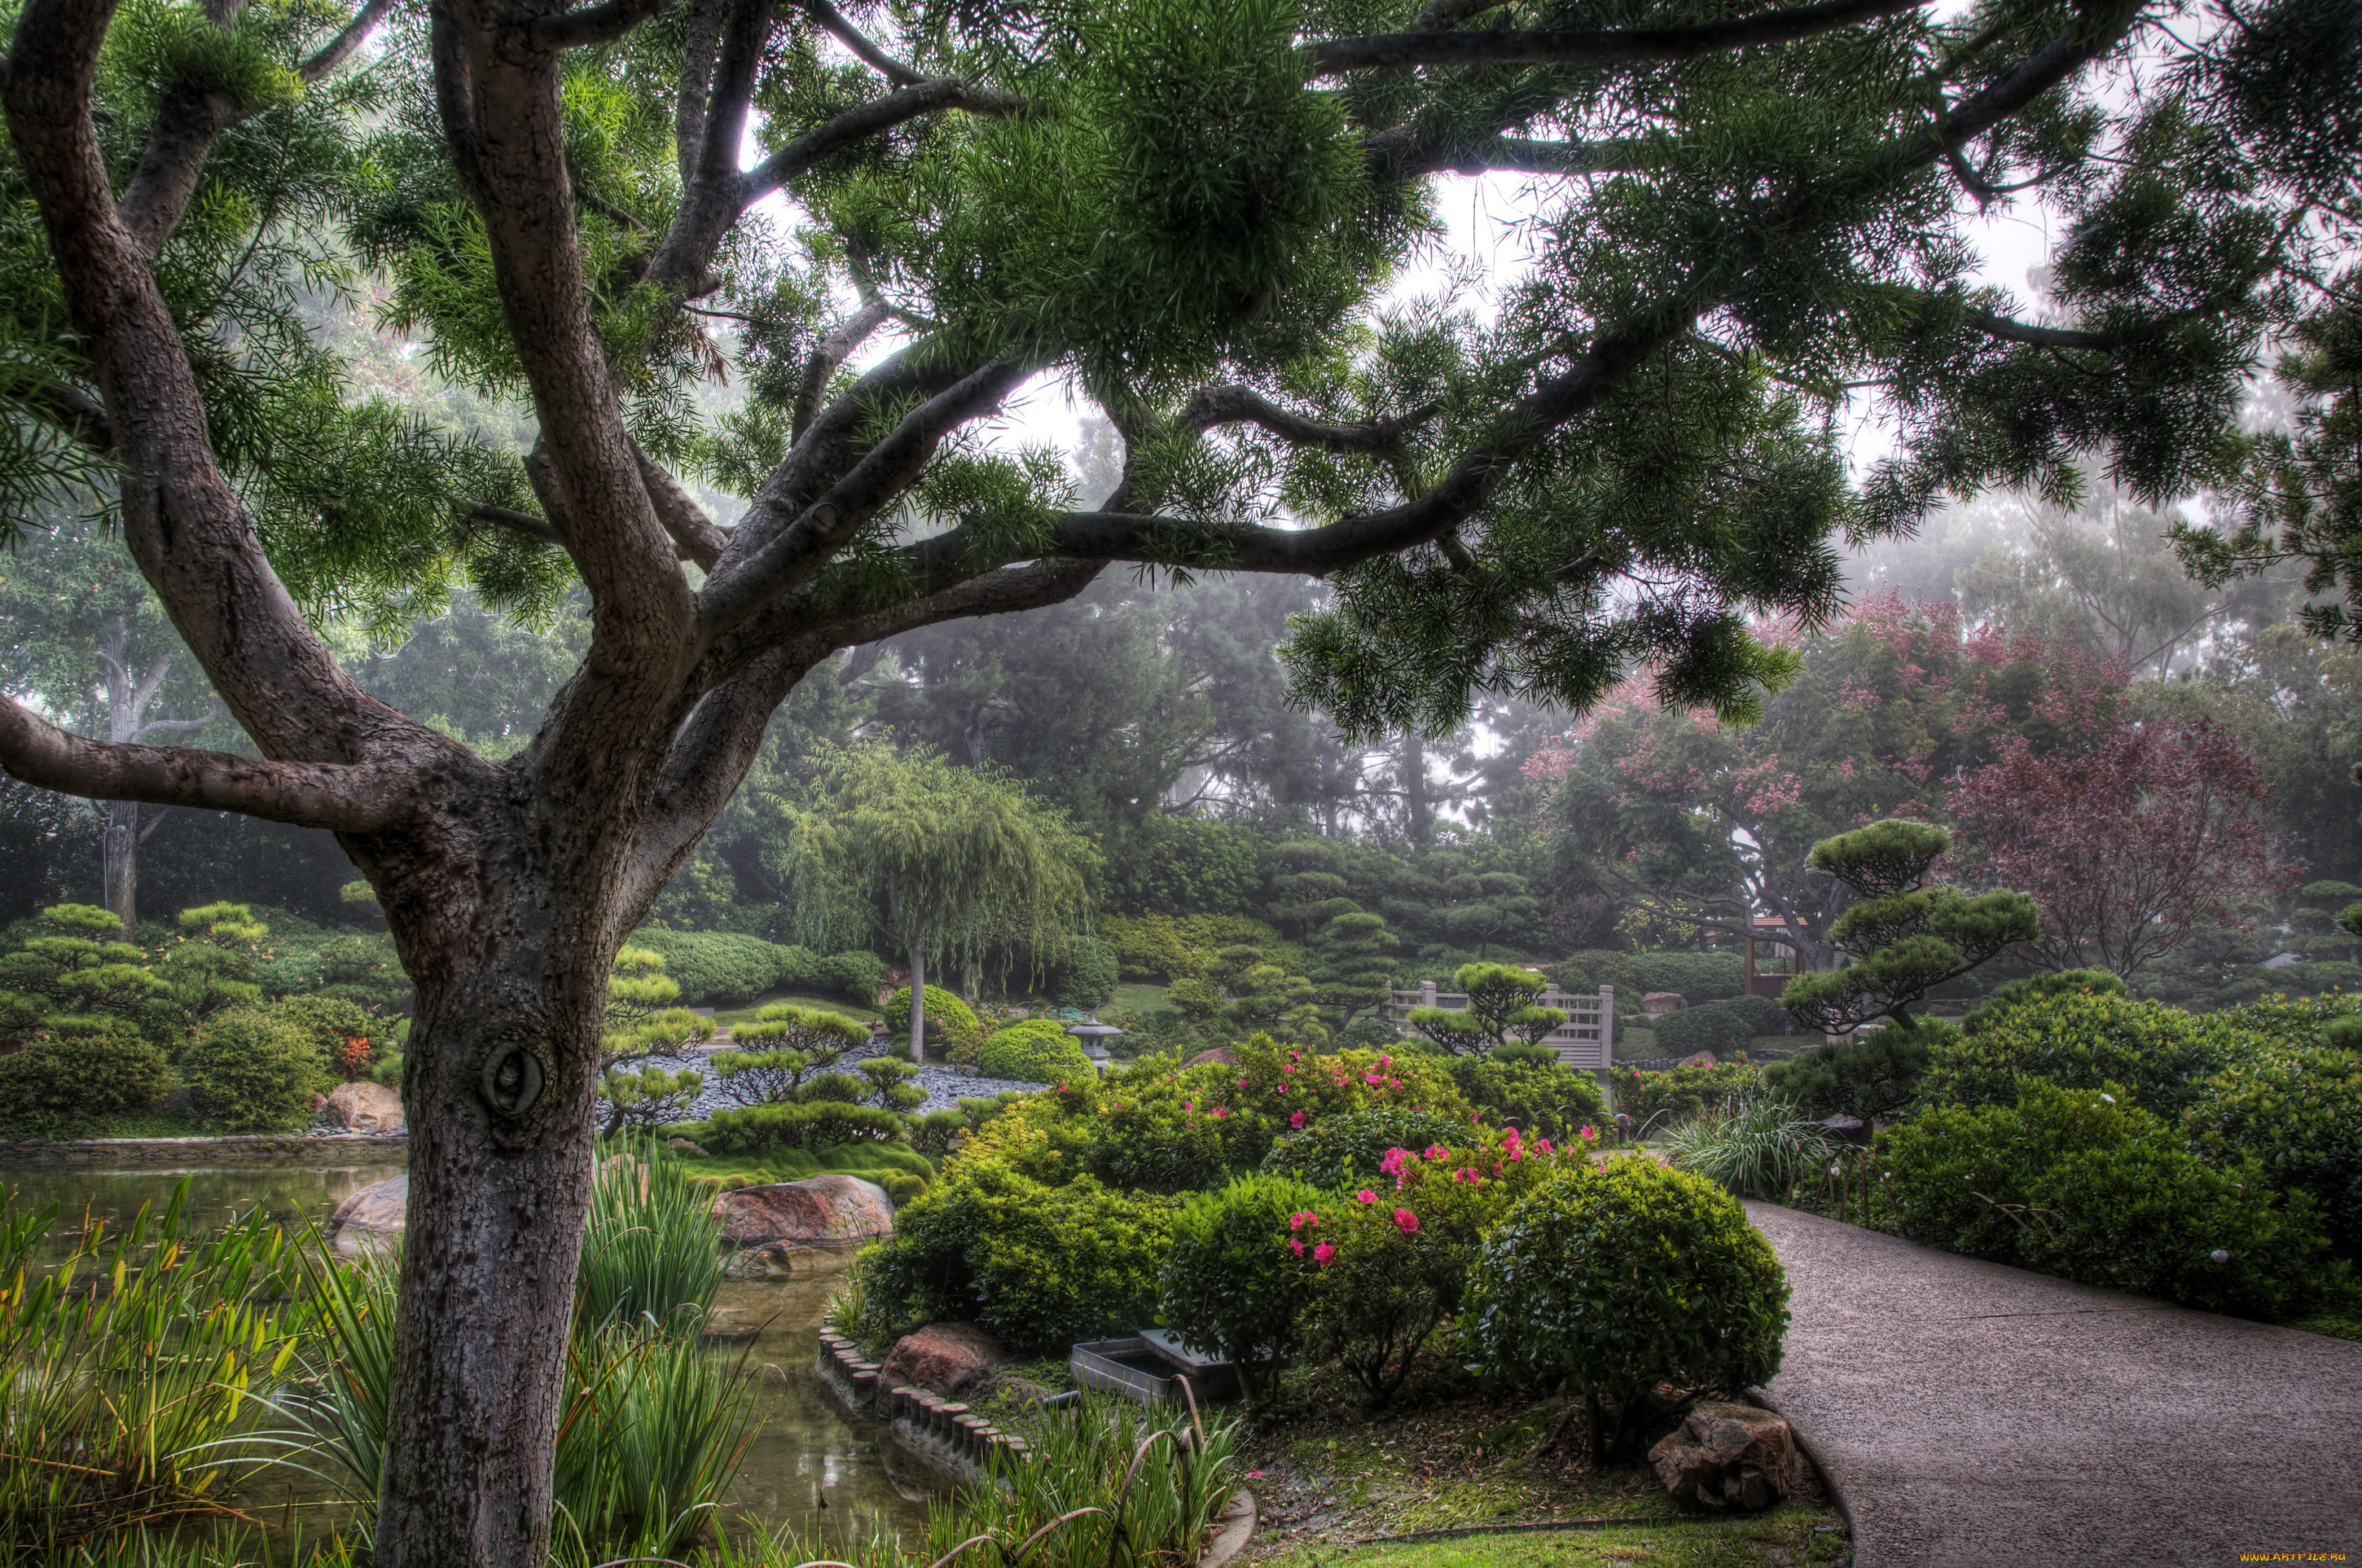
(1137, 996)
(1787, 1536)
(153, 1124)
(724, 1017)
(795, 1164)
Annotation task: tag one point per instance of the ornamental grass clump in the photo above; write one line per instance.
(1622, 1278)
(129, 1365)
(1756, 1147)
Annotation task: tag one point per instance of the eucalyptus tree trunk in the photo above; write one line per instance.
(919, 991)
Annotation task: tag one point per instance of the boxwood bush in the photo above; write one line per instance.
(1673, 1097)
(1034, 1051)
(1087, 973)
(75, 1073)
(717, 968)
(1716, 1028)
(856, 976)
(1699, 977)
(1340, 1149)
(1229, 1284)
(2082, 1041)
(250, 1069)
(1622, 1276)
(1543, 1094)
(2080, 1183)
(2296, 1110)
(953, 1032)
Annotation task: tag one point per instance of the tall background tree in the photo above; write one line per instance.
(1190, 211)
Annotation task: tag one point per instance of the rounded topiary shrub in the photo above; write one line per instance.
(1232, 1283)
(1621, 1276)
(74, 1073)
(947, 1016)
(1337, 1149)
(857, 977)
(249, 1070)
(2081, 1040)
(1540, 1093)
(2296, 1110)
(1716, 1028)
(346, 1034)
(1699, 977)
(1033, 1050)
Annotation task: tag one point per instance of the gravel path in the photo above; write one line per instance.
(945, 1086)
(1971, 1414)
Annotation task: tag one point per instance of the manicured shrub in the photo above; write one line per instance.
(759, 1129)
(1699, 977)
(2079, 1040)
(253, 1070)
(2016, 994)
(798, 969)
(346, 1035)
(1041, 1265)
(1670, 1098)
(1715, 1027)
(648, 1097)
(1873, 1074)
(1763, 1016)
(937, 1132)
(74, 1073)
(1545, 1095)
(1168, 947)
(2065, 1182)
(857, 977)
(1238, 1277)
(388, 1071)
(1622, 1276)
(1368, 1032)
(1391, 1256)
(1340, 1150)
(902, 1186)
(1593, 968)
(714, 968)
(1088, 974)
(1034, 1051)
(951, 1022)
(2278, 1021)
(2297, 1111)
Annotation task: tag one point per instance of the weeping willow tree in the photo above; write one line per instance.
(938, 859)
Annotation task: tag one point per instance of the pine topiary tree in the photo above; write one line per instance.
(1353, 964)
(1904, 937)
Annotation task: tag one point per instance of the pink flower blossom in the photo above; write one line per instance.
(1406, 1221)
(1385, 1061)
(1296, 1246)
(1589, 1134)
(1297, 1120)
(1369, 1078)
(1543, 1144)
(1366, 1196)
(1435, 1152)
(1243, 1083)
(1219, 1114)
(1188, 1105)
(1301, 1217)
(1324, 1254)
(1392, 1164)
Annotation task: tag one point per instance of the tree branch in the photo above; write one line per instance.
(1525, 155)
(525, 522)
(592, 24)
(833, 351)
(697, 54)
(72, 411)
(854, 124)
(1615, 46)
(340, 797)
(160, 726)
(338, 49)
(2104, 26)
(2009, 331)
(832, 21)
(697, 536)
(712, 201)
(1244, 406)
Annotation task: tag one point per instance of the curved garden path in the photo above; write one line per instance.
(1974, 1414)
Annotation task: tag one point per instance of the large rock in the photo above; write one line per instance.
(1222, 1054)
(1727, 1458)
(816, 1211)
(946, 1357)
(1656, 1004)
(370, 1220)
(365, 1107)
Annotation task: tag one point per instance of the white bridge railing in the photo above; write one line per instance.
(1587, 1038)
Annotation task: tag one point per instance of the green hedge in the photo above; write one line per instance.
(715, 969)
(1717, 1028)
(765, 1128)
(75, 1074)
(254, 1070)
(2297, 1111)
(1699, 977)
(1674, 1096)
(2081, 1041)
(857, 977)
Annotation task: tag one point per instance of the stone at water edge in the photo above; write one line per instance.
(1703, 1059)
(1727, 1458)
(760, 1265)
(818, 1208)
(370, 1220)
(365, 1108)
(1222, 1054)
(1656, 1004)
(946, 1357)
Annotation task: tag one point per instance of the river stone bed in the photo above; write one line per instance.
(945, 1086)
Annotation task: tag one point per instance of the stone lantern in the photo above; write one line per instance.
(1095, 1036)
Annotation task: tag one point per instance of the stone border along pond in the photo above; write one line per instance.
(945, 1086)
(240, 1150)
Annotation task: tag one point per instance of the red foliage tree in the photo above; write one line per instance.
(2128, 845)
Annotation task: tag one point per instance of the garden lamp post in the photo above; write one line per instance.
(1094, 1036)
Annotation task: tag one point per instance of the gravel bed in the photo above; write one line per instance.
(945, 1086)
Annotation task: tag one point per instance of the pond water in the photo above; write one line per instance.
(812, 1469)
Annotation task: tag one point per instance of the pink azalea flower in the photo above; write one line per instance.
(1385, 1061)
(1435, 1152)
(1219, 1114)
(1297, 1120)
(1543, 1144)
(1188, 1105)
(1366, 1196)
(1301, 1217)
(1369, 1078)
(1324, 1254)
(1392, 1164)
(1296, 1246)
(1406, 1221)
(1243, 1083)
(1589, 1134)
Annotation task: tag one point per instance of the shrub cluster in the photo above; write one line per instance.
(952, 1031)
(1086, 975)
(1034, 1051)
(716, 968)
(2083, 1039)
(1670, 1097)
(253, 1069)
(1699, 977)
(72, 1074)
(759, 1130)
(1537, 1090)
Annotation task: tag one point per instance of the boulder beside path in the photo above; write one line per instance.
(815, 1211)
(1727, 1458)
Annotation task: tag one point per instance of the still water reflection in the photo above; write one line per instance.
(812, 1469)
